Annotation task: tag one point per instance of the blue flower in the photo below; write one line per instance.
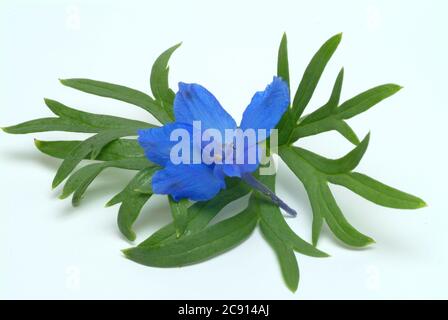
(202, 181)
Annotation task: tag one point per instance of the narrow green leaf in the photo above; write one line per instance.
(376, 191)
(80, 180)
(364, 101)
(179, 211)
(116, 150)
(159, 80)
(346, 131)
(129, 211)
(322, 201)
(271, 216)
(56, 149)
(198, 247)
(285, 127)
(330, 107)
(341, 165)
(282, 60)
(72, 120)
(312, 75)
(200, 214)
(92, 146)
(163, 235)
(313, 192)
(132, 202)
(121, 93)
(49, 124)
(337, 222)
(326, 124)
(286, 257)
(100, 121)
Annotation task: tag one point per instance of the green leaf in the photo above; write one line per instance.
(330, 107)
(49, 124)
(179, 211)
(286, 257)
(271, 216)
(326, 124)
(286, 123)
(132, 201)
(99, 121)
(273, 220)
(285, 128)
(159, 81)
(121, 93)
(322, 201)
(280, 236)
(337, 222)
(376, 191)
(312, 189)
(312, 75)
(80, 180)
(330, 117)
(341, 165)
(116, 150)
(73, 120)
(282, 61)
(325, 118)
(92, 146)
(198, 247)
(346, 131)
(200, 214)
(366, 100)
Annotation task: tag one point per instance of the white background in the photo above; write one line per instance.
(50, 250)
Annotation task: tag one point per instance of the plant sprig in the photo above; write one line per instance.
(192, 237)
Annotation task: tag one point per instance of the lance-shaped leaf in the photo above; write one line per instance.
(331, 105)
(282, 61)
(341, 165)
(132, 201)
(286, 257)
(122, 93)
(376, 191)
(312, 75)
(197, 247)
(286, 123)
(327, 124)
(340, 227)
(200, 214)
(322, 202)
(325, 118)
(179, 211)
(280, 236)
(159, 81)
(116, 150)
(92, 146)
(366, 100)
(73, 120)
(80, 180)
(315, 172)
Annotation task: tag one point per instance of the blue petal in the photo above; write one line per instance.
(238, 169)
(195, 103)
(192, 181)
(156, 142)
(267, 107)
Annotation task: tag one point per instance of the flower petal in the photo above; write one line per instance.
(156, 141)
(195, 103)
(193, 181)
(250, 163)
(267, 107)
